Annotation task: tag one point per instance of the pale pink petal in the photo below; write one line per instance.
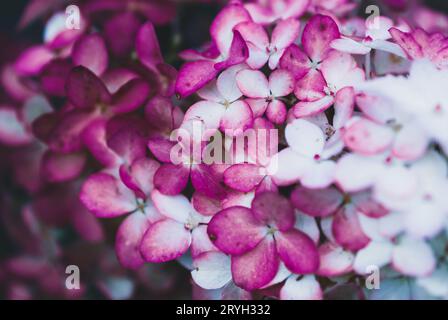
(227, 84)
(376, 253)
(344, 105)
(303, 288)
(317, 203)
(281, 83)
(297, 251)
(274, 210)
(319, 175)
(140, 175)
(306, 109)
(254, 33)
(200, 242)
(106, 196)
(319, 32)
(355, 173)
(410, 143)
(286, 167)
(307, 225)
(257, 57)
(211, 270)
(347, 229)
(164, 241)
(257, 267)
(305, 138)
(128, 239)
(253, 84)
(235, 230)
(237, 118)
(285, 33)
(367, 137)
(341, 70)
(175, 207)
(210, 113)
(348, 45)
(258, 106)
(334, 260)
(414, 258)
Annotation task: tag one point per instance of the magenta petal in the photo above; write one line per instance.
(274, 210)
(193, 76)
(304, 109)
(147, 46)
(53, 77)
(297, 251)
(164, 241)
(239, 52)
(128, 240)
(84, 89)
(205, 205)
(90, 51)
(130, 96)
(256, 268)
(347, 230)
(33, 60)
(161, 148)
(120, 32)
(162, 115)
(171, 179)
(235, 230)
(334, 260)
(319, 32)
(59, 167)
(106, 196)
(243, 177)
(207, 181)
(276, 112)
(311, 86)
(317, 203)
(295, 61)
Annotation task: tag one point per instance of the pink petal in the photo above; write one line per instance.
(295, 61)
(319, 32)
(407, 42)
(120, 32)
(176, 207)
(84, 89)
(311, 86)
(140, 175)
(53, 77)
(33, 60)
(160, 148)
(207, 181)
(128, 239)
(147, 46)
(106, 197)
(347, 229)
(238, 53)
(317, 203)
(257, 267)
(334, 260)
(410, 143)
(205, 205)
(237, 118)
(274, 210)
(193, 76)
(281, 83)
(367, 138)
(221, 29)
(58, 167)
(258, 106)
(162, 114)
(304, 288)
(344, 105)
(350, 46)
(243, 177)
(297, 251)
(285, 33)
(366, 205)
(306, 109)
(253, 84)
(235, 230)
(94, 138)
(276, 112)
(211, 270)
(90, 52)
(254, 33)
(164, 241)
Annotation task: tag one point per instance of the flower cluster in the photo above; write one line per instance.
(333, 128)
